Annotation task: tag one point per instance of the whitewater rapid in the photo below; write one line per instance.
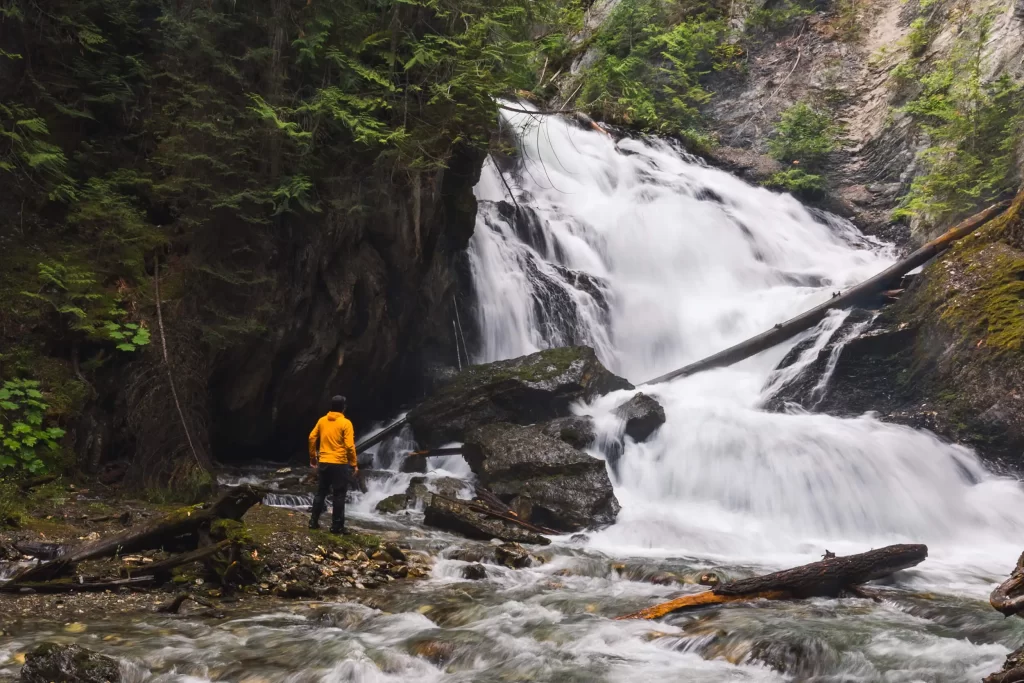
(657, 260)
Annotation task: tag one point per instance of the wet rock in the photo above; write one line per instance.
(474, 572)
(577, 430)
(412, 465)
(643, 416)
(458, 517)
(526, 390)
(392, 504)
(295, 589)
(472, 554)
(711, 579)
(396, 552)
(515, 556)
(437, 652)
(802, 660)
(566, 488)
(70, 664)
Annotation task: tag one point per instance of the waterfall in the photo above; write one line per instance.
(657, 260)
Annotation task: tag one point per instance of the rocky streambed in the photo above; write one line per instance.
(498, 564)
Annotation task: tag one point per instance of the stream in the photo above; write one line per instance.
(655, 260)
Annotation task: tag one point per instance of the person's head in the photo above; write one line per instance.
(338, 404)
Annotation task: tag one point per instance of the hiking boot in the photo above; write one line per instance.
(313, 526)
(342, 531)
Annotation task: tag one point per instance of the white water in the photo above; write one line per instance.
(690, 261)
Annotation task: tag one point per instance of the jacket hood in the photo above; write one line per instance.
(332, 416)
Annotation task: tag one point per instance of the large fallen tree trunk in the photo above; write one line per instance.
(381, 435)
(865, 290)
(827, 578)
(180, 527)
(1008, 597)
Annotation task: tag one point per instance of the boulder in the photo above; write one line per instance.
(643, 415)
(551, 483)
(526, 390)
(391, 504)
(70, 664)
(452, 515)
(577, 430)
(474, 572)
(515, 556)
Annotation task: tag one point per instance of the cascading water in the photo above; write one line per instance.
(657, 260)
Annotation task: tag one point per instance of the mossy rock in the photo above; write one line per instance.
(69, 663)
(535, 388)
(392, 504)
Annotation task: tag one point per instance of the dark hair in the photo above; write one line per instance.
(338, 404)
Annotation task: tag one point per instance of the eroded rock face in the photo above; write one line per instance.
(69, 663)
(451, 515)
(946, 357)
(545, 479)
(643, 416)
(526, 390)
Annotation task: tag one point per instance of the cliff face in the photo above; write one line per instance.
(859, 61)
(359, 307)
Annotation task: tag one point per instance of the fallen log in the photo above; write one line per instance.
(887, 279)
(497, 514)
(436, 452)
(163, 568)
(381, 435)
(1012, 671)
(826, 578)
(67, 585)
(182, 526)
(1008, 597)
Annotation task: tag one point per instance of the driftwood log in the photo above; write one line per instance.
(827, 578)
(181, 527)
(887, 279)
(1008, 599)
(67, 585)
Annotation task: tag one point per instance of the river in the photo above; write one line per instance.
(656, 260)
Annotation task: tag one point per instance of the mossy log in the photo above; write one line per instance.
(887, 279)
(827, 578)
(68, 585)
(178, 528)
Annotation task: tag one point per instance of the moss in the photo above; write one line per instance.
(12, 509)
(978, 288)
(537, 367)
(349, 543)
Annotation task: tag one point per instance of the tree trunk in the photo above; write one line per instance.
(1006, 598)
(183, 525)
(884, 280)
(826, 578)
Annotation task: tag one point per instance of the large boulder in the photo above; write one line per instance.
(576, 430)
(545, 479)
(643, 415)
(453, 515)
(526, 390)
(69, 664)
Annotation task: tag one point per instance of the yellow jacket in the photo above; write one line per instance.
(337, 443)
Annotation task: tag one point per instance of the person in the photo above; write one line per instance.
(335, 462)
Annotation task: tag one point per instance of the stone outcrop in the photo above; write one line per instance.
(544, 479)
(526, 390)
(452, 515)
(421, 491)
(643, 416)
(70, 664)
(946, 357)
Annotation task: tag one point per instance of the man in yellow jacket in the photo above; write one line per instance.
(335, 462)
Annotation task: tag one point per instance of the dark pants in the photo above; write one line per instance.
(331, 479)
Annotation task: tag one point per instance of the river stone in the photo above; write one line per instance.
(526, 390)
(391, 504)
(69, 664)
(458, 517)
(643, 415)
(558, 485)
(474, 572)
(576, 430)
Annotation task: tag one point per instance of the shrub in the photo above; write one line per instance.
(24, 435)
(804, 134)
(798, 182)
